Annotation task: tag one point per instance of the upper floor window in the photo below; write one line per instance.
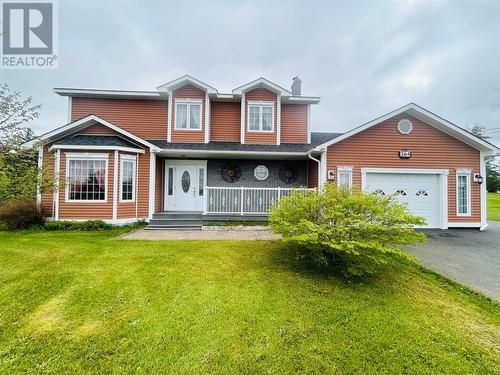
(188, 114)
(127, 178)
(261, 117)
(86, 178)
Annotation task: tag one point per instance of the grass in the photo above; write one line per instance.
(494, 206)
(86, 302)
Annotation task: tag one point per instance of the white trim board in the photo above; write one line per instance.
(261, 83)
(186, 80)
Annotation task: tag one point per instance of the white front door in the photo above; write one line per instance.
(185, 185)
(419, 191)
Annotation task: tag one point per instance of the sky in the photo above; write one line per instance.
(363, 58)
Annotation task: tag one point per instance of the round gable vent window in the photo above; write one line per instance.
(261, 172)
(405, 126)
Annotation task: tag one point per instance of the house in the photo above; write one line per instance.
(186, 153)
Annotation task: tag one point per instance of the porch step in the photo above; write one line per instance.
(173, 220)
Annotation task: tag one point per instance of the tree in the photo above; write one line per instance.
(492, 168)
(354, 231)
(15, 113)
(18, 168)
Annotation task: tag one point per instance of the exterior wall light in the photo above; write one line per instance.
(478, 178)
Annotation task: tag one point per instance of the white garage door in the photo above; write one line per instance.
(419, 191)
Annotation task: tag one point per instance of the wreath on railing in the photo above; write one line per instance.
(230, 173)
(288, 174)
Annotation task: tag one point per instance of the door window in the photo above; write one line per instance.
(185, 181)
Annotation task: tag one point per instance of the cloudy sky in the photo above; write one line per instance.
(364, 58)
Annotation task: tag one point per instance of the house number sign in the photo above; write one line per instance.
(405, 154)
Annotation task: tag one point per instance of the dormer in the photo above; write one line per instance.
(188, 109)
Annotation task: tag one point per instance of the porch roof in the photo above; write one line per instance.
(91, 142)
(284, 148)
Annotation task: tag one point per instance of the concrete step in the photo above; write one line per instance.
(176, 221)
(173, 227)
(178, 215)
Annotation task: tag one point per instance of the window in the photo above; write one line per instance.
(422, 193)
(188, 115)
(379, 192)
(405, 126)
(344, 177)
(463, 193)
(86, 178)
(261, 172)
(170, 181)
(261, 117)
(401, 192)
(127, 178)
(201, 181)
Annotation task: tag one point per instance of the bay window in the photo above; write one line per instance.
(86, 178)
(261, 117)
(127, 178)
(188, 114)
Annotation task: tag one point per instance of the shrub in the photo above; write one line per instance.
(89, 225)
(20, 214)
(354, 231)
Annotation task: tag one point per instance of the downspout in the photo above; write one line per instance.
(319, 168)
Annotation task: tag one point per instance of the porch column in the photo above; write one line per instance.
(322, 169)
(152, 183)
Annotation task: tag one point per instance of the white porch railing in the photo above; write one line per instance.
(243, 200)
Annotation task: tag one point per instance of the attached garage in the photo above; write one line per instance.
(421, 190)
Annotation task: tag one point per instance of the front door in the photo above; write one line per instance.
(184, 185)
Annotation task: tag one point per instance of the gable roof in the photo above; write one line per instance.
(186, 80)
(83, 123)
(261, 82)
(429, 118)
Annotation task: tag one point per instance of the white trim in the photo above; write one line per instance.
(225, 152)
(87, 156)
(482, 190)
(83, 123)
(427, 117)
(133, 159)
(405, 170)
(169, 115)
(308, 124)
(207, 118)
(464, 225)
(185, 80)
(107, 221)
(302, 99)
(152, 181)
(322, 171)
(189, 102)
(260, 105)
(344, 170)
(115, 185)
(57, 173)
(70, 108)
(261, 82)
(106, 93)
(97, 148)
(242, 124)
(467, 174)
(442, 181)
(278, 119)
(40, 178)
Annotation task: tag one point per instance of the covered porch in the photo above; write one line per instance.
(229, 189)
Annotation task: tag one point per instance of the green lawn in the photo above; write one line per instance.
(85, 302)
(494, 206)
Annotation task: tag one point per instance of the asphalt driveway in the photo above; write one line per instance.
(467, 256)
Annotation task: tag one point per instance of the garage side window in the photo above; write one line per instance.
(463, 193)
(344, 178)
